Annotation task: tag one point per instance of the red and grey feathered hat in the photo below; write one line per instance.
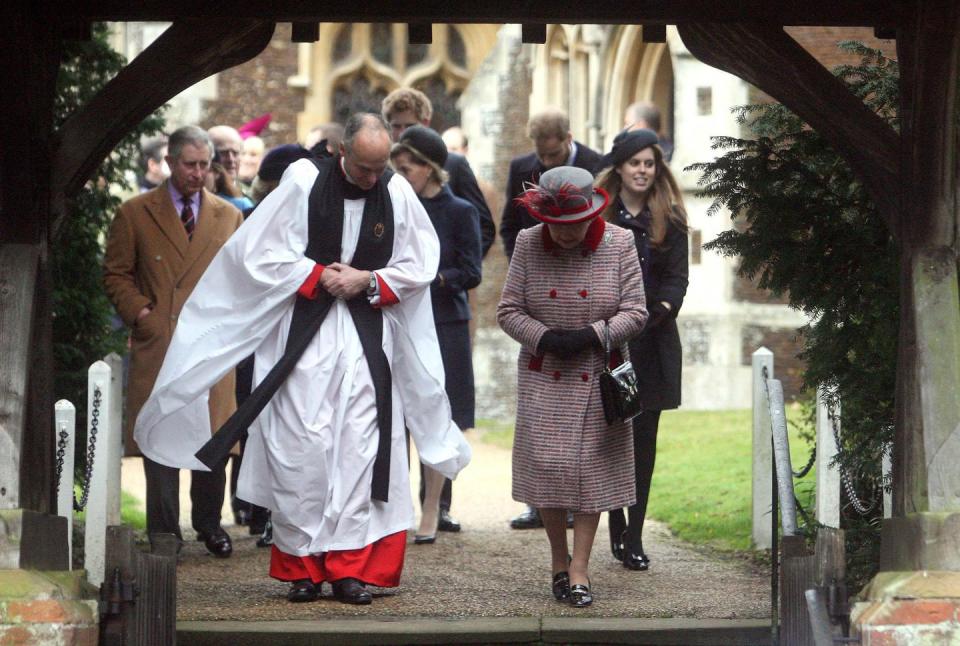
(564, 195)
(254, 127)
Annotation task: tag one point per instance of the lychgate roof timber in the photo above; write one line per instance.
(810, 12)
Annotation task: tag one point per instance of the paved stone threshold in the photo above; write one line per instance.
(494, 630)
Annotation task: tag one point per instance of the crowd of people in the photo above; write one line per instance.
(317, 297)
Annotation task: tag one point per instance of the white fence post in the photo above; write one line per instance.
(66, 423)
(828, 477)
(762, 458)
(114, 448)
(887, 470)
(98, 418)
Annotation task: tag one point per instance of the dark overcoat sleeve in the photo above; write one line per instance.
(464, 272)
(675, 270)
(463, 184)
(511, 221)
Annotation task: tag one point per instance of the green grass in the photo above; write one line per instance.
(132, 511)
(701, 484)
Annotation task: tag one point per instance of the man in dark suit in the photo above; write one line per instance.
(554, 144)
(405, 107)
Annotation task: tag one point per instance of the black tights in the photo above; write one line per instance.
(644, 457)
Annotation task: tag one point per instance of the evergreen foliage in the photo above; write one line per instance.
(83, 330)
(806, 229)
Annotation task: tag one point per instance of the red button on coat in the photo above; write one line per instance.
(585, 376)
(553, 293)
(583, 293)
(556, 375)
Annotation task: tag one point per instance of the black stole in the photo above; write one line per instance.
(374, 248)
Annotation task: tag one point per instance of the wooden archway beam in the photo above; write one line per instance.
(187, 52)
(774, 62)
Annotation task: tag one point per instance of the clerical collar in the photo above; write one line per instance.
(350, 190)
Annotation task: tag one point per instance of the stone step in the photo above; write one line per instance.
(487, 630)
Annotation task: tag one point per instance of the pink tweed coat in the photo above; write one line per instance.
(564, 453)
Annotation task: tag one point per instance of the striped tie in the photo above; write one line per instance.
(186, 216)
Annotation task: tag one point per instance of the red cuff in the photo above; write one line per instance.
(309, 287)
(387, 297)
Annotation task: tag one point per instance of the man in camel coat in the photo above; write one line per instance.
(160, 243)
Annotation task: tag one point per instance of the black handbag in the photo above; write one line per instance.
(619, 390)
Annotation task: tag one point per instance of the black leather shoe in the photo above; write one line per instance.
(529, 519)
(633, 559)
(561, 586)
(424, 539)
(580, 596)
(303, 590)
(447, 523)
(351, 590)
(217, 543)
(266, 538)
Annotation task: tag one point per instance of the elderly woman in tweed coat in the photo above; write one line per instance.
(569, 278)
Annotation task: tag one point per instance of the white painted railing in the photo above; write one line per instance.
(102, 474)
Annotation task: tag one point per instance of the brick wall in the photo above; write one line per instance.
(258, 86)
(785, 343)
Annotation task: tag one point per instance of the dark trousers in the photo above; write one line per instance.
(163, 498)
(257, 516)
(644, 457)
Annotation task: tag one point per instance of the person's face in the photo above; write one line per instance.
(250, 162)
(400, 121)
(229, 151)
(158, 170)
(188, 172)
(366, 160)
(210, 181)
(553, 151)
(568, 236)
(638, 172)
(416, 173)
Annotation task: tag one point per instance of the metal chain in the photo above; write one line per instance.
(845, 478)
(91, 450)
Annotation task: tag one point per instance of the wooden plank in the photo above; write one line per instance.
(173, 62)
(19, 264)
(813, 12)
(771, 60)
(830, 557)
(797, 575)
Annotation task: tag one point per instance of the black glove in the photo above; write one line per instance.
(552, 342)
(658, 314)
(568, 343)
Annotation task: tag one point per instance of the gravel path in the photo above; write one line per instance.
(487, 570)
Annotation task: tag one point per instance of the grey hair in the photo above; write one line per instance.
(643, 111)
(362, 121)
(191, 135)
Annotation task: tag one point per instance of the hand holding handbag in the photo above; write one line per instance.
(619, 390)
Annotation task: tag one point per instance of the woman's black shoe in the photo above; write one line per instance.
(303, 590)
(561, 586)
(580, 596)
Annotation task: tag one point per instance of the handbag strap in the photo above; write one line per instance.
(606, 343)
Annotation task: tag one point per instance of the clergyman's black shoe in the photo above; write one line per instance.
(303, 590)
(447, 523)
(218, 543)
(529, 519)
(350, 590)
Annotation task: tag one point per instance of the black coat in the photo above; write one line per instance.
(464, 185)
(524, 169)
(656, 353)
(455, 221)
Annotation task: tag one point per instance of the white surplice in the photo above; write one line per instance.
(309, 457)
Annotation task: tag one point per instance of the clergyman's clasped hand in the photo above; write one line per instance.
(568, 343)
(343, 281)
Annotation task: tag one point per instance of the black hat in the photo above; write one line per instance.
(423, 142)
(627, 144)
(277, 160)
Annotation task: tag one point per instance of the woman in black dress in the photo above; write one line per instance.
(648, 203)
(419, 156)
